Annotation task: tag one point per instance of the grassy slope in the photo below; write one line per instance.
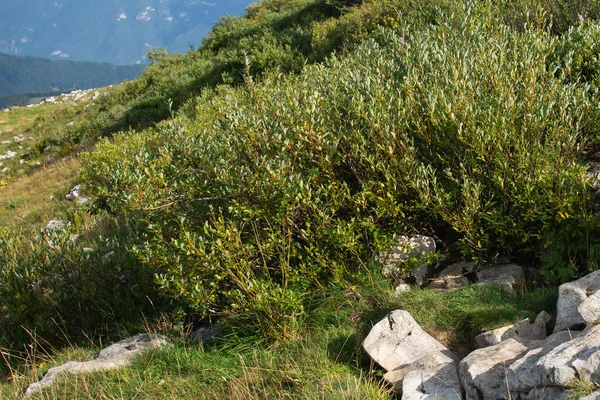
(322, 359)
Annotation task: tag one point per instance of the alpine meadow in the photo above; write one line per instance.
(253, 188)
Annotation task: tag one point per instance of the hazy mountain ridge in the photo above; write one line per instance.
(119, 32)
(33, 75)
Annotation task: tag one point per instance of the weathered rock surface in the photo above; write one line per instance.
(56, 225)
(507, 276)
(521, 331)
(433, 376)
(408, 247)
(114, 356)
(397, 341)
(483, 372)
(592, 396)
(528, 368)
(594, 176)
(453, 277)
(570, 296)
(590, 308)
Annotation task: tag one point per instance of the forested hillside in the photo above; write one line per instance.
(19, 75)
(256, 182)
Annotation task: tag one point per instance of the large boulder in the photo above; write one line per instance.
(397, 341)
(114, 356)
(408, 247)
(523, 330)
(571, 296)
(483, 372)
(507, 276)
(530, 368)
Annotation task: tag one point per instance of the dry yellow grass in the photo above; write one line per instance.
(40, 196)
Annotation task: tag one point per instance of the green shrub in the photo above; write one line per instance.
(53, 288)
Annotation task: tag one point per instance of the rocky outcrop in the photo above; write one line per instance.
(518, 361)
(397, 341)
(418, 365)
(571, 296)
(408, 247)
(114, 356)
(521, 331)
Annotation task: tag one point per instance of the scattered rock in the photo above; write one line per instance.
(453, 277)
(507, 276)
(402, 287)
(74, 193)
(570, 296)
(56, 225)
(521, 331)
(397, 341)
(114, 356)
(408, 247)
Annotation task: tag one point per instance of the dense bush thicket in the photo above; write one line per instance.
(459, 122)
(264, 176)
(52, 286)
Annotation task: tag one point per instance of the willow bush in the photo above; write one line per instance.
(280, 188)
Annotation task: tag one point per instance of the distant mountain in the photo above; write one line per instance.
(33, 75)
(116, 31)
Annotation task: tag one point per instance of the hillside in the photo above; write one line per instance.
(19, 75)
(311, 167)
(118, 32)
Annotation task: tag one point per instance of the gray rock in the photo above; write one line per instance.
(592, 396)
(483, 373)
(589, 309)
(547, 393)
(402, 287)
(570, 296)
(56, 225)
(507, 276)
(439, 382)
(577, 358)
(525, 374)
(397, 341)
(408, 247)
(453, 277)
(114, 356)
(432, 376)
(521, 331)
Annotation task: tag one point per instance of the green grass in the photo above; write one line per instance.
(321, 360)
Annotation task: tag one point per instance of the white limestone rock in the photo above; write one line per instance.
(408, 247)
(570, 296)
(114, 356)
(523, 330)
(397, 341)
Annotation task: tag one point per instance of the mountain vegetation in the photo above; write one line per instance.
(21, 75)
(255, 180)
